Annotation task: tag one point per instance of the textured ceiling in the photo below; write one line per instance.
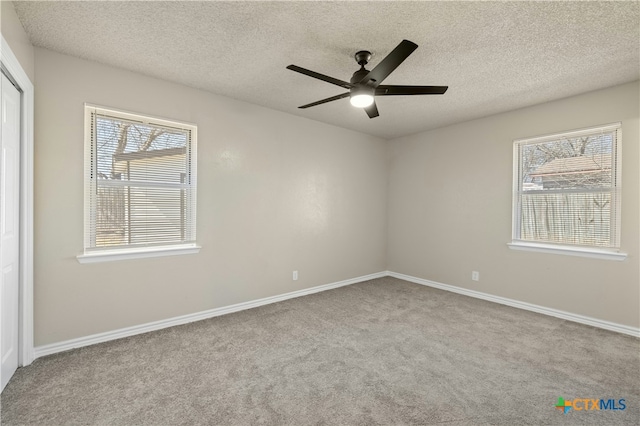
(494, 56)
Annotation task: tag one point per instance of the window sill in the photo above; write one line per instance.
(568, 250)
(138, 253)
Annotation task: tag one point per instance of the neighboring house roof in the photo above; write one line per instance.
(580, 164)
(139, 155)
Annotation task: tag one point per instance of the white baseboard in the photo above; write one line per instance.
(620, 328)
(66, 345)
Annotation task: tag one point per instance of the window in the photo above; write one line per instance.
(140, 185)
(566, 191)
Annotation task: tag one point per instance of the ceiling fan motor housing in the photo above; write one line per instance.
(359, 75)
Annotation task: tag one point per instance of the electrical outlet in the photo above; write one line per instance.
(475, 275)
(295, 275)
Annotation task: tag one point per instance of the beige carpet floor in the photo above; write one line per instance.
(380, 352)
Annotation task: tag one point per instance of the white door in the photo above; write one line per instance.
(9, 229)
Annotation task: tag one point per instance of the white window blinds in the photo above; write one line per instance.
(140, 181)
(567, 188)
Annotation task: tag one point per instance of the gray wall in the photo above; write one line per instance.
(276, 193)
(449, 209)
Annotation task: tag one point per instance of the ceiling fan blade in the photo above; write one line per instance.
(383, 90)
(320, 76)
(390, 63)
(372, 110)
(324, 101)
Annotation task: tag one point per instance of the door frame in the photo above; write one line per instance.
(25, 309)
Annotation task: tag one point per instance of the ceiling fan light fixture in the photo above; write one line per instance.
(361, 98)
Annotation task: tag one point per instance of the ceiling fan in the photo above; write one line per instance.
(365, 84)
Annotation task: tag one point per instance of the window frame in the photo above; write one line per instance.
(103, 254)
(610, 253)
